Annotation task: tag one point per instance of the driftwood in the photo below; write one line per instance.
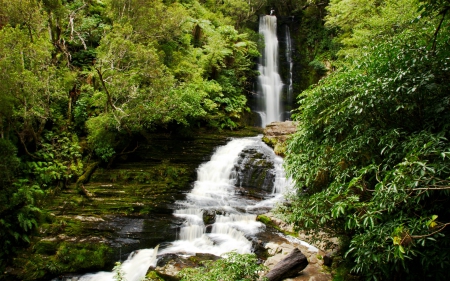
(290, 266)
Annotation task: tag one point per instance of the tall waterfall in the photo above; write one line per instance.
(270, 85)
(213, 192)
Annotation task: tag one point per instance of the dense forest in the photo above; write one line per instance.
(83, 80)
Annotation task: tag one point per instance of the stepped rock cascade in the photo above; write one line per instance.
(214, 194)
(270, 85)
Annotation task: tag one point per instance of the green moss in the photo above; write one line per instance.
(51, 258)
(270, 141)
(153, 276)
(46, 247)
(268, 222)
(280, 149)
(265, 220)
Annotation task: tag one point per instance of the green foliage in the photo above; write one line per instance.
(360, 22)
(232, 267)
(19, 216)
(84, 80)
(59, 158)
(370, 158)
(9, 162)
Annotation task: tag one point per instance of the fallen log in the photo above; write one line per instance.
(288, 267)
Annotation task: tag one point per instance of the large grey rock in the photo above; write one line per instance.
(255, 173)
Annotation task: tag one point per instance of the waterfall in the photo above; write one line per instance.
(290, 61)
(134, 268)
(269, 81)
(214, 192)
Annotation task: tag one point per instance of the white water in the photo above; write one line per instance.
(213, 190)
(134, 268)
(269, 80)
(290, 89)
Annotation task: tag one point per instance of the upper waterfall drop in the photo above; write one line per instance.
(270, 85)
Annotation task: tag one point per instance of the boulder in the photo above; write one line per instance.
(280, 130)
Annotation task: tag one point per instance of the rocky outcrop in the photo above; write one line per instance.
(276, 134)
(280, 130)
(169, 265)
(255, 173)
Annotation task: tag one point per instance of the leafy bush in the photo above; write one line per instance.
(371, 159)
(232, 267)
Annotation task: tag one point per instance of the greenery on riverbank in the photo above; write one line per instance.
(371, 155)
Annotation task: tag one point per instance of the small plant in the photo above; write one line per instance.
(119, 275)
(232, 267)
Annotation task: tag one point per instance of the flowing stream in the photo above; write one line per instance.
(214, 192)
(270, 85)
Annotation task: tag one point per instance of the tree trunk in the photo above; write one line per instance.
(290, 266)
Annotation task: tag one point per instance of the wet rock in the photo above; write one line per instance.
(209, 217)
(255, 173)
(170, 264)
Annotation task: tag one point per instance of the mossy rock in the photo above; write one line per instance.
(153, 276)
(52, 258)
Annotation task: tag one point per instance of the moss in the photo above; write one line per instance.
(264, 219)
(153, 276)
(270, 141)
(268, 222)
(46, 247)
(51, 258)
(280, 149)
(87, 174)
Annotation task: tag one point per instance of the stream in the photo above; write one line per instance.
(223, 193)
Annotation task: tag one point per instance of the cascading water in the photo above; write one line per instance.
(270, 85)
(213, 192)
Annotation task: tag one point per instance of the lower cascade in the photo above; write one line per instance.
(217, 195)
